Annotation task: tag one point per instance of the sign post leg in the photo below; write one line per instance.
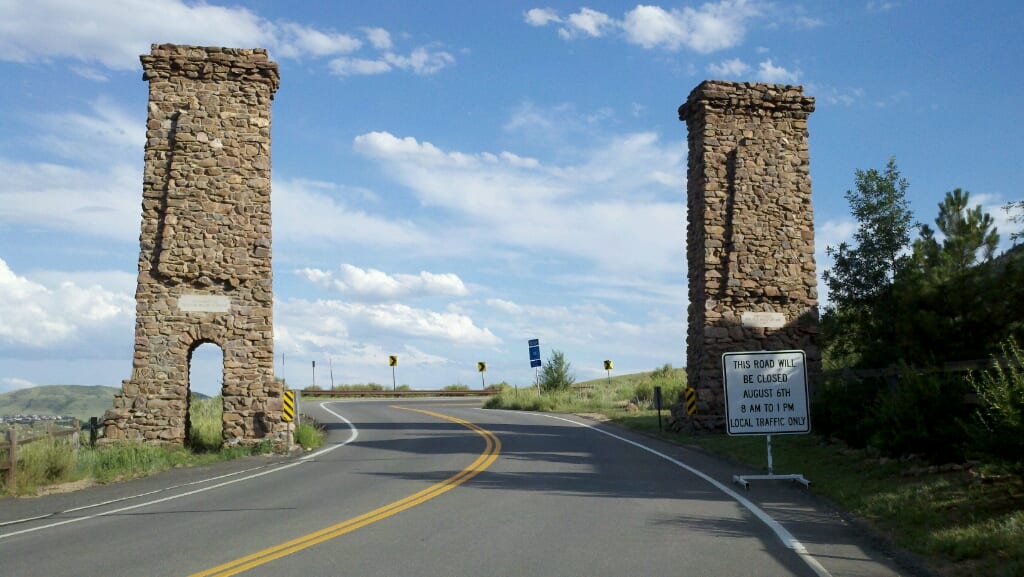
(771, 476)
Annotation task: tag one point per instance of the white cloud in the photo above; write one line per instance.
(33, 315)
(768, 72)
(589, 22)
(114, 34)
(327, 324)
(540, 16)
(95, 203)
(840, 97)
(709, 28)
(379, 38)
(420, 61)
(652, 26)
(90, 73)
(729, 68)
(8, 384)
(309, 212)
(375, 284)
(294, 41)
(605, 208)
(106, 131)
(881, 6)
(712, 27)
(358, 67)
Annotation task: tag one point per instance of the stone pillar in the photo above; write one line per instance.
(205, 251)
(750, 230)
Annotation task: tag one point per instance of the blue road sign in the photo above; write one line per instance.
(534, 352)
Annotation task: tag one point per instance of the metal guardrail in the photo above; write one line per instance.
(397, 394)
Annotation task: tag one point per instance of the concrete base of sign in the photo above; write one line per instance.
(745, 479)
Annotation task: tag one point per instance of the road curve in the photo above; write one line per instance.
(441, 487)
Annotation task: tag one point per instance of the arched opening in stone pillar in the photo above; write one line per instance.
(204, 422)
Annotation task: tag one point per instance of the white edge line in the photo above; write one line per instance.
(353, 435)
(784, 535)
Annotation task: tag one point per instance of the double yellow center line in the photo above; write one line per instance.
(481, 463)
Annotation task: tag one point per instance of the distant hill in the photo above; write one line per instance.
(77, 401)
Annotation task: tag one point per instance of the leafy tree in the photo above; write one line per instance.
(859, 321)
(968, 233)
(557, 373)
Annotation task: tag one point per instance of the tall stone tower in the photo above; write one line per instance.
(750, 229)
(204, 260)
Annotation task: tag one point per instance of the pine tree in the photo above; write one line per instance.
(969, 237)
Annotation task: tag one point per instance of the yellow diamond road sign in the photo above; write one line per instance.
(608, 365)
(393, 360)
(481, 366)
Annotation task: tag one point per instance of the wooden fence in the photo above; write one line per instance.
(12, 441)
(894, 371)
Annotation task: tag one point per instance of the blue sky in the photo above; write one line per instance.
(451, 179)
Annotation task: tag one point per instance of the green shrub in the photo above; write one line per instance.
(663, 373)
(44, 462)
(840, 404)
(556, 374)
(457, 387)
(308, 435)
(921, 415)
(999, 421)
(671, 387)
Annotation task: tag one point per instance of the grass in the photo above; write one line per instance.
(207, 432)
(49, 462)
(961, 520)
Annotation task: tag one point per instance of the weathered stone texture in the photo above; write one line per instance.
(206, 233)
(750, 227)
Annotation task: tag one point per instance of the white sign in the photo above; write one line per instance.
(766, 393)
(763, 320)
(196, 303)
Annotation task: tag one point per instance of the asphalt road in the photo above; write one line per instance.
(442, 488)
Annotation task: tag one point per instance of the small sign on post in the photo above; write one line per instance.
(481, 367)
(393, 361)
(288, 412)
(690, 396)
(534, 353)
(766, 394)
(657, 404)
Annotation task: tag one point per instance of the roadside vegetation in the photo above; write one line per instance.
(904, 438)
(46, 463)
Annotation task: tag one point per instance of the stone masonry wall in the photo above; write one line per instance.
(205, 245)
(750, 231)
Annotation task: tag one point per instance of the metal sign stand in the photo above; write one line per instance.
(745, 479)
